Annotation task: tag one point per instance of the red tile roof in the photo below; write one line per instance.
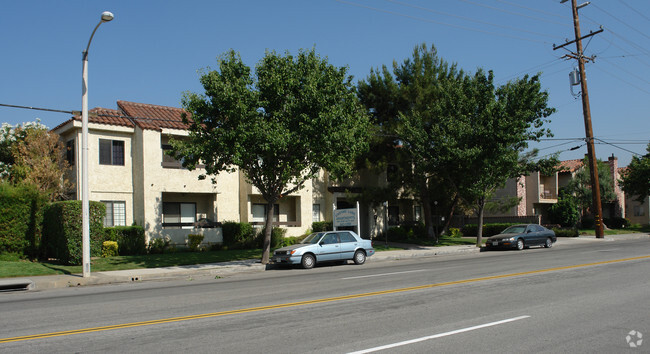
(149, 116)
(570, 165)
(131, 114)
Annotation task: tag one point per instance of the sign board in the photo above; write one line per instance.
(345, 217)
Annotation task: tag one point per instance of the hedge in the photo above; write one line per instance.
(566, 232)
(131, 239)
(62, 230)
(320, 226)
(21, 215)
(238, 235)
(488, 229)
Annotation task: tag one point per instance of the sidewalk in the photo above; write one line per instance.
(227, 268)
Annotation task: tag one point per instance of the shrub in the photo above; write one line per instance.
(565, 212)
(130, 238)
(488, 229)
(193, 241)
(21, 216)
(62, 230)
(617, 223)
(454, 232)
(320, 226)
(407, 233)
(158, 245)
(238, 235)
(277, 237)
(587, 223)
(109, 249)
(566, 232)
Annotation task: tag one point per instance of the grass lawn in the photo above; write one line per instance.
(11, 267)
(630, 230)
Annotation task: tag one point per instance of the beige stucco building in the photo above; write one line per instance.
(139, 184)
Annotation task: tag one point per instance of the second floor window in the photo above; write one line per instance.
(111, 152)
(69, 152)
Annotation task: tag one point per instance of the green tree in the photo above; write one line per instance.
(414, 107)
(636, 178)
(31, 154)
(566, 211)
(503, 120)
(279, 126)
(580, 185)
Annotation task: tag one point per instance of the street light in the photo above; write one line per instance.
(85, 214)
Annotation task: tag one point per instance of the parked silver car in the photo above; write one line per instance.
(330, 246)
(522, 236)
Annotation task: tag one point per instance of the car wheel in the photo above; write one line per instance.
(549, 243)
(520, 244)
(308, 261)
(359, 257)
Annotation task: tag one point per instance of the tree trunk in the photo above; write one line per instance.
(268, 227)
(479, 231)
(428, 218)
(450, 214)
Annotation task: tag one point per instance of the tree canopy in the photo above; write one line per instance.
(453, 128)
(580, 185)
(30, 154)
(636, 178)
(279, 125)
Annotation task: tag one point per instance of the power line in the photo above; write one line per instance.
(469, 18)
(633, 9)
(514, 13)
(621, 21)
(440, 23)
(618, 147)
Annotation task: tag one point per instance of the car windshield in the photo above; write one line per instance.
(313, 238)
(519, 229)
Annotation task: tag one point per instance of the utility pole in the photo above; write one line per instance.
(591, 153)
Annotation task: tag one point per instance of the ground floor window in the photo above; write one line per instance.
(393, 215)
(115, 213)
(315, 217)
(417, 213)
(639, 210)
(179, 215)
(258, 212)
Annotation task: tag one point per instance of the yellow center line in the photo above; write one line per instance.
(303, 303)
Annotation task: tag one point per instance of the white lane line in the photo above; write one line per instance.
(383, 274)
(389, 346)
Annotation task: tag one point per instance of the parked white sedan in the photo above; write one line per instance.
(330, 246)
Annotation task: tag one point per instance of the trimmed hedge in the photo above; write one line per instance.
(488, 229)
(238, 235)
(277, 237)
(617, 223)
(320, 226)
(21, 216)
(130, 238)
(62, 230)
(566, 232)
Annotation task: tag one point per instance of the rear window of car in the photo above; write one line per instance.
(347, 237)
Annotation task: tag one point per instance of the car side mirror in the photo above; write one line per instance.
(529, 231)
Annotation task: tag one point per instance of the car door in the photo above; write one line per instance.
(531, 237)
(348, 245)
(538, 236)
(329, 248)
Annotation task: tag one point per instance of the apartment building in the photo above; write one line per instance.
(139, 184)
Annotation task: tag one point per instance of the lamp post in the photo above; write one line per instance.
(85, 204)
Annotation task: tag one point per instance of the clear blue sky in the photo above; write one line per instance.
(151, 52)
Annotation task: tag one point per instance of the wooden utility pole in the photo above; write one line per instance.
(591, 153)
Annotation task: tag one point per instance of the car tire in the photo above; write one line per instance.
(308, 261)
(520, 244)
(549, 243)
(359, 257)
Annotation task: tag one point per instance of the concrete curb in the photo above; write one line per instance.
(246, 266)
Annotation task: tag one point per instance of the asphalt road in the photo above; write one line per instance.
(587, 297)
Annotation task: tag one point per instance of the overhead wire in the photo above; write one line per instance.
(440, 22)
(515, 13)
(470, 19)
(633, 9)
